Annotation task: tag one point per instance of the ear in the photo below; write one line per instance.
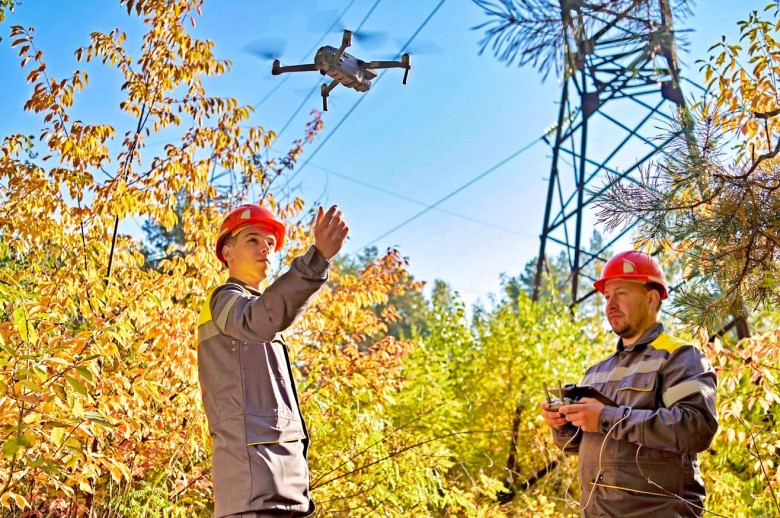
(227, 253)
(655, 297)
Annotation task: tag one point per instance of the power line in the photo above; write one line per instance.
(417, 202)
(360, 99)
(459, 189)
(314, 88)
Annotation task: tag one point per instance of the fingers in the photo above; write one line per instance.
(330, 231)
(325, 217)
(553, 418)
(337, 226)
(332, 211)
(584, 414)
(341, 228)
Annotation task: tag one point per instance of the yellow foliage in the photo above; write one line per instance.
(97, 349)
(746, 80)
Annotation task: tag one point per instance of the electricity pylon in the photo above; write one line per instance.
(620, 84)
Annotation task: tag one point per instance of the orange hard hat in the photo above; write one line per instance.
(633, 266)
(245, 216)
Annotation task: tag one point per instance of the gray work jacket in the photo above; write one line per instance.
(248, 390)
(666, 392)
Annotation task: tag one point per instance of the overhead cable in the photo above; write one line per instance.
(456, 191)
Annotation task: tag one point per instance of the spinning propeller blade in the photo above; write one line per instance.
(330, 22)
(265, 48)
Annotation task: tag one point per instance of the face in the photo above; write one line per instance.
(631, 308)
(249, 257)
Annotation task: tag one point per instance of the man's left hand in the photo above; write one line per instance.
(585, 414)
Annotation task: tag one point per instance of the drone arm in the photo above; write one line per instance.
(279, 69)
(385, 64)
(346, 41)
(325, 90)
(405, 63)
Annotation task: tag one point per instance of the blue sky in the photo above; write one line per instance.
(400, 148)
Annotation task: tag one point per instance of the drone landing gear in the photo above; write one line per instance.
(325, 90)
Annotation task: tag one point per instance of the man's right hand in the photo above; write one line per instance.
(555, 419)
(330, 232)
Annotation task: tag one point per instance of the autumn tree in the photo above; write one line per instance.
(100, 410)
(408, 300)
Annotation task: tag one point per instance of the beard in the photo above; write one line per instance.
(623, 329)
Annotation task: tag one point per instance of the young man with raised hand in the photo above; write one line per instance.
(260, 441)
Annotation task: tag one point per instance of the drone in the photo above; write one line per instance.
(343, 68)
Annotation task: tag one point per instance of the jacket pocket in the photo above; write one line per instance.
(638, 390)
(641, 381)
(272, 413)
(267, 387)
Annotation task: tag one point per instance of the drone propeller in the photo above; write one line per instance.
(265, 48)
(367, 39)
(419, 47)
(370, 40)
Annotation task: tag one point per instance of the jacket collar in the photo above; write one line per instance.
(250, 289)
(650, 334)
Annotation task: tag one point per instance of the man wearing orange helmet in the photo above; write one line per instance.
(639, 458)
(260, 441)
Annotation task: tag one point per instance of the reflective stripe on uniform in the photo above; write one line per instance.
(682, 390)
(619, 373)
(207, 331)
(223, 315)
(663, 342)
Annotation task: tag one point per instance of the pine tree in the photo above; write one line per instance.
(713, 199)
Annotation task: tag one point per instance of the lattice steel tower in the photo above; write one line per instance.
(618, 62)
(621, 79)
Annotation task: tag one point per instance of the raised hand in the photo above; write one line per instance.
(330, 232)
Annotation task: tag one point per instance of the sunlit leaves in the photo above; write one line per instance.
(744, 78)
(99, 380)
(744, 471)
